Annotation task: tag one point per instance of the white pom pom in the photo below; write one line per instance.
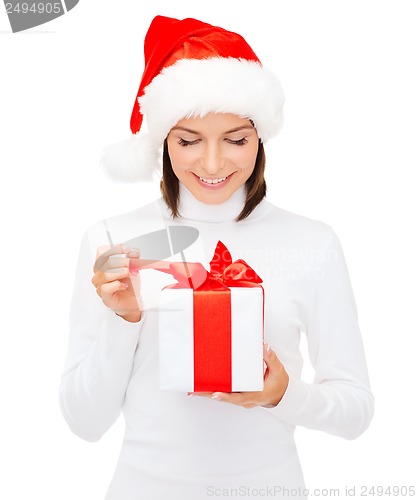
(134, 160)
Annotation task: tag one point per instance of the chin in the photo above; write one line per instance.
(214, 198)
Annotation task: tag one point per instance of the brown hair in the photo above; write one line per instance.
(255, 186)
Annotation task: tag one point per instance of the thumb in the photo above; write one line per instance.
(272, 362)
(267, 353)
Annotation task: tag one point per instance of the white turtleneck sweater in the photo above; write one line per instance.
(193, 448)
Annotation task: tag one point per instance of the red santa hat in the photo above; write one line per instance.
(191, 69)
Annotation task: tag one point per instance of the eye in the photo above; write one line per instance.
(239, 142)
(183, 142)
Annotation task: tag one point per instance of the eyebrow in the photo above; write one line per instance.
(189, 130)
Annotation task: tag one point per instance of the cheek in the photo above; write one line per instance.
(182, 163)
(245, 158)
(181, 157)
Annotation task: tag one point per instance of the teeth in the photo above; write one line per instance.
(213, 181)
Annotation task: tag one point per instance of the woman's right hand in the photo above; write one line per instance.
(117, 280)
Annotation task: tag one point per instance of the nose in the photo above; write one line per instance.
(212, 160)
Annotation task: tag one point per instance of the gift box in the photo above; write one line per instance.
(211, 327)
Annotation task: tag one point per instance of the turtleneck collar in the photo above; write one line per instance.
(191, 209)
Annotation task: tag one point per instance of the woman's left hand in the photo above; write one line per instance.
(275, 385)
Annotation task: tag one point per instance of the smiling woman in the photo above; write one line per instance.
(211, 105)
(213, 156)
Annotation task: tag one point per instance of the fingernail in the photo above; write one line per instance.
(190, 394)
(215, 396)
(135, 251)
(126, 248)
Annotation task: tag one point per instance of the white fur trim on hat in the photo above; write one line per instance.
(195, 87)
(133, 160)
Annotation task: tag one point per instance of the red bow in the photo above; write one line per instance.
(223, 272)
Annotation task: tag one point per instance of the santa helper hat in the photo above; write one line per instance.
(191, 69)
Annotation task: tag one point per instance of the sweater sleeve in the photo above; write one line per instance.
(99, 361)
(339, 401)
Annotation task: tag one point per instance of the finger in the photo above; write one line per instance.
(116, 262)
(234, 398)
(107, 250)
(245, 399)
(123, 262)
(272, 362)
(115, 274)
(112, 287)
(135, 263)
(267, 350)
(202, 394)
(266, 374)
(104, 252)
(100, 279)
(275, 380)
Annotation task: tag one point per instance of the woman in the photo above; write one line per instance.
(211, 105)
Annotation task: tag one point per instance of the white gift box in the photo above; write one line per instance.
(180, 359)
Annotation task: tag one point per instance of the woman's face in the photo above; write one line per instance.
(213, 156)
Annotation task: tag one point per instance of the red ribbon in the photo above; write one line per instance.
(223, 272)
(212, 313)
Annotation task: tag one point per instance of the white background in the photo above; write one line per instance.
(345, 156)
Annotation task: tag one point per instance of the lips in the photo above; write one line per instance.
(217, 180)
(213, 183)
